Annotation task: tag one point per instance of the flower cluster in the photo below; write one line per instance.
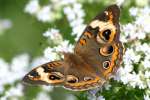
(138, 29)
(12, 72)
(74, 13)
(50, 12)
(75, 16)
(60, 45)
(13, 93)
(47, 13)
(137, 53)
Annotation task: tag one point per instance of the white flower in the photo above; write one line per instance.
(142, 47)
(146, 63)
(141, 83)
(148, 82)
(66, 2)
(145, 10)
(107, 86)
(50, 54)
(125, 77)
(139, 28)
(133, 11)
(70, 97)
(51, 33)
(129, 30)
(128, 68)
(132, 79)
(119, 2)
(75, 16)
(43, 95)
(131, 56)
(100, 98)
(4, 69)
(32, 7)
(45, 14)
(54, 36)
(4, 25)
(70, 14)
(146, 97)
(77, 22)
(140, 35)
(39, 61)
(78, 30)
(47, 88)
(1, 89)
(147, 74)
(76, 8)
(18, 67)
(143, 21)
(136, 30)
(14, 92)
(64, 47)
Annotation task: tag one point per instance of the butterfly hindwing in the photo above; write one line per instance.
(79, 75)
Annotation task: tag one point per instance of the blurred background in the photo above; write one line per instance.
(32, 32)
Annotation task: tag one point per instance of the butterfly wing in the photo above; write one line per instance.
(49, 73)
(99, 44)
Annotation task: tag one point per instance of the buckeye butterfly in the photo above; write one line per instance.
(97, 55)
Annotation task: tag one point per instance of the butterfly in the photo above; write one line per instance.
(97, 56)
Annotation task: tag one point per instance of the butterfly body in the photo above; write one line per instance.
(97, 55)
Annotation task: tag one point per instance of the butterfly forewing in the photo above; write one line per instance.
(101, 39)
(49, 73)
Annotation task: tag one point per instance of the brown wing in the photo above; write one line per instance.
(99, 44)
